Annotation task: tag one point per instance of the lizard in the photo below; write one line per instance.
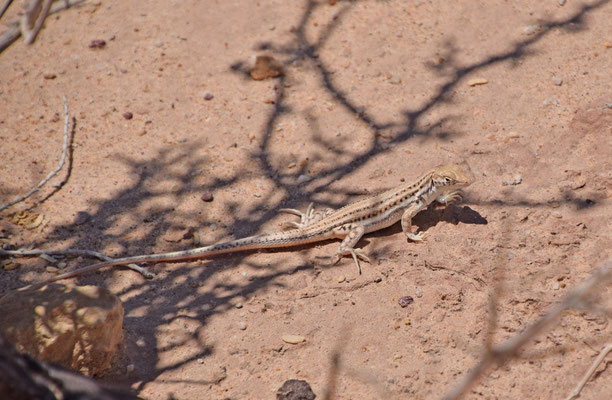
(442, 185)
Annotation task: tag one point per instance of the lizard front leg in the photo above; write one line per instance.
(355, 232)
(407, 224)
(449, 198)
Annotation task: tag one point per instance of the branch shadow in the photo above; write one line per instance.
(197, 304)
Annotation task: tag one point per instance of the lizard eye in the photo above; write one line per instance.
(447, 179)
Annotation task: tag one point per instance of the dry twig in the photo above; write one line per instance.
(14, 31)
(501, 353)
(56, 170)
(604, 352)
(72, 252)
(33, 19)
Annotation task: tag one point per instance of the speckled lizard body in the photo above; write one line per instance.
(349, 223)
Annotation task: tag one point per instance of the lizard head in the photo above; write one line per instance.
(452, 177)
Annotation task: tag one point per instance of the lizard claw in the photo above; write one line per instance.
(416, 237)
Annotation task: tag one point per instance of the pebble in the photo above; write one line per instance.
(159, 43)
(397, 356)
(293, 339)
(127, 115)
(97, 44)
(208, 96)
(477, 81)
(10, 266)
(130, 368)
(207, 197)
(242, 325)
(515, 180)
(81, 217)
(562, 2)
(557, 81)
(302, 179)
(49, 76)
(418, 292)
(52, 269)
(405, 301)
(295, 389)
(239, 305)
(555, 285)
(341, 279)
(395, 80)
(62, 264)
(531, 29)
(265, 67)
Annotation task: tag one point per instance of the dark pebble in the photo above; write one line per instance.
(404, 301)
(97, 44)
(128, 115)
(207, 196)
(295, 389)
(81, 217)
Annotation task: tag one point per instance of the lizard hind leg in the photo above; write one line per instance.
(347, 247)
(307, 218)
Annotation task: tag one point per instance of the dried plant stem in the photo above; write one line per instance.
(503, 352)
(604, 352)
(56, 170)
(72, 252)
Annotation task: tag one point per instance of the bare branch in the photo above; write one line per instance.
(7, 4)
(56, 170)
(501, 353)
(604, 352)
(73, 252)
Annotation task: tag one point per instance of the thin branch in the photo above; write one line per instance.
(6, 5)
(13, 32)
(604, 352)
(34, 18)
(56, 170)
(73, 252)
(501, 353)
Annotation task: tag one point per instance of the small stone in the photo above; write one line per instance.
(579, 182)
(130, 368)
(207, 197)
(52, 269)
(557, 81)
(62, 264)
(97, 44)
(208, 96)
(405, 301)
(200, 361)
(607, 45)
(128, 115)
(159, 43)
(555, 285)
(378, 279)
(11, 265)
(395, 80)
(81, 217)
(295, 389)
(562, 2)
(302, 179)
(49, 75)
(265, 67)
(242, 325)
(418, 292)
(341, 279)
(515, 180)
(397, 356)
(477, 81)
(531, 29)
(239, 305)
(293, 339)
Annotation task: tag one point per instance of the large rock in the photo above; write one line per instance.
(77, 327)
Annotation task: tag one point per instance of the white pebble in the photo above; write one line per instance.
(557, 81)
(242, 325)
(302, 179)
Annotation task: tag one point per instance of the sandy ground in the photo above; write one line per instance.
(374, 94)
